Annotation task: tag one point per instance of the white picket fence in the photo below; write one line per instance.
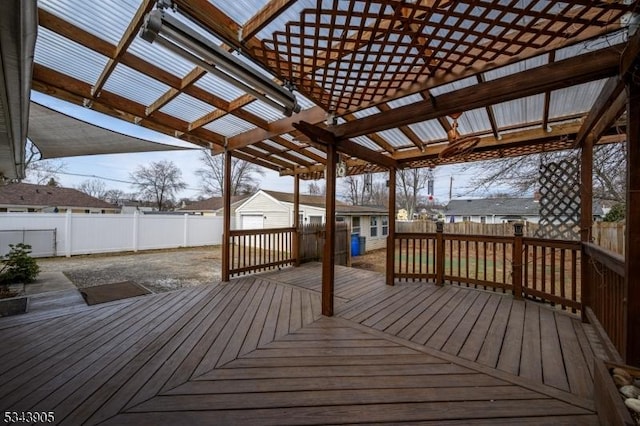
(79, 233)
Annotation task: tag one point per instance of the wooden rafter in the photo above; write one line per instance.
(607, 108)
(489, 110)
(263, 17)
(406, 130)
(130, 33)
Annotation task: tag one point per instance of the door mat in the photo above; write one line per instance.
(110, 292)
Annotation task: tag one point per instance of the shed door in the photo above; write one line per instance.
(252, 221)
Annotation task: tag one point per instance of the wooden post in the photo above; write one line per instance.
(586, 222)
(632, 249)
(226, 215)
(329, 261)
(391, 238)
(439, 253)
(295, 243)
(516, 263)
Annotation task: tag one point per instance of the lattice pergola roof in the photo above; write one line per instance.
(524, 73)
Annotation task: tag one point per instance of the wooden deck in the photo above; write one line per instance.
(257, 351)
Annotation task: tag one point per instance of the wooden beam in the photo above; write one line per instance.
(632, 218)
(547, 98)
(630, 54)
(586, 220)
(489, 111)
(325, 138)
(572, 71)
(209, 16)
(260, 162)
(391, 238)
(311, 115)
(61, 27)
(268, 13)
(328, 258)
(604, 102)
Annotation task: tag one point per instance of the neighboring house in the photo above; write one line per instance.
(272, 209)
(26, 197)
(212, 206)
(499, 210)
(132, 206)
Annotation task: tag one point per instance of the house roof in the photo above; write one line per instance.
(319, 201)
(26, 194)
(499, 207)
(212, 204)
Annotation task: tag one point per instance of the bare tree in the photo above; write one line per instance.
(314, 188)
(114, 196)
(410, 183)
(366, 189)
(40, 171)
(521, 174)
(93, 187)
(244, 175)
(159, 183)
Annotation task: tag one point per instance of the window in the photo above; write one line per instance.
(483, 219)
(385, 225)
(466, 218)
(300, 219)
(355, 224)
(374, 226)
(339, 218)
(315, 220)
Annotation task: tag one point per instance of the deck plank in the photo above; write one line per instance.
(257, 350)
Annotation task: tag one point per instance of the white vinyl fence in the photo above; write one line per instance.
(80, 233)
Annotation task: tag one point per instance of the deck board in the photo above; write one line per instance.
(257, 350)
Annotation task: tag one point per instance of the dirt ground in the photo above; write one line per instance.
(158, 270)
(162, 270)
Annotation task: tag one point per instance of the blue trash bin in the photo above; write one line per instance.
(355, 245)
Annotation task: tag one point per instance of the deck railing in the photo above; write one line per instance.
(253, 250)
(607, 293)
(547, 270)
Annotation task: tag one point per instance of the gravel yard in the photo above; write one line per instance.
(158, 270)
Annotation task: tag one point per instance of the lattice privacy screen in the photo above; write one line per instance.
(559, 200)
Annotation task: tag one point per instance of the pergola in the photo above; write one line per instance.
(378, 83)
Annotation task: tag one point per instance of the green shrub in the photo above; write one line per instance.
(18, 266)
(616, 213)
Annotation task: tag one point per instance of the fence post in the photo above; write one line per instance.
(185, 236)
(136, 220)
(516, 264)
(439, 253)
(67, 233)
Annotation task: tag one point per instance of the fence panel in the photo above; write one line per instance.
(312, 243)
(80, 233)
(42, 241)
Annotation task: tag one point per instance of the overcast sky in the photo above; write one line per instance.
(115, 169)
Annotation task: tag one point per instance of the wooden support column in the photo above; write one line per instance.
(328, 260)
(439, 253)
(391, 238)
(586, 221)
(632, 249)
(516, 263)
(295, 244)
(226, 198)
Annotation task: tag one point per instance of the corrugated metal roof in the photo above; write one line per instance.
(187, 108)
(264, 111)
(519, 111)
(396, 138)
(366, 112)
(239, 10)
(157, 55)
(134, 85)
(592, 45)
(473, 121)
(219, 88)
(407, 100)
(516, 67)
(430, 130)
(229, 125)
(107, 20)
(575, 99)
(80, 63)
(365, 141)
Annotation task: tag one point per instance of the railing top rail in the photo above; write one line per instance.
(264, 231)
(545, 242)
(479, 238)
(415, 235)
(611, 260)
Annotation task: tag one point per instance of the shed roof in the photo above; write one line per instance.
(26, 194)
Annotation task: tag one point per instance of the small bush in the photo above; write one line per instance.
(616, 213)
(18, 266)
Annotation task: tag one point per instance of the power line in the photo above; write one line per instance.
(111, 179)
